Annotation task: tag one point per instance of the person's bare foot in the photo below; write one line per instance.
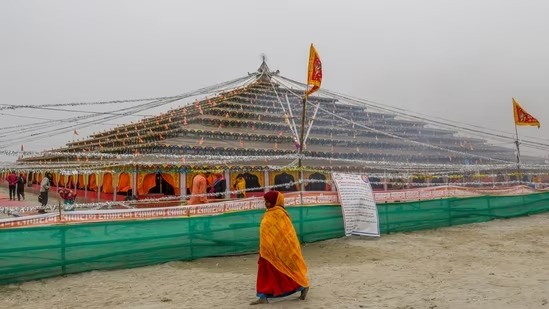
(304, 293)
(259, 301)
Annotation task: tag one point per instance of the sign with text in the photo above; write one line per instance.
(357, 203)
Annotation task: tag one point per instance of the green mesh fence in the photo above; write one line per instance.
(40, 252)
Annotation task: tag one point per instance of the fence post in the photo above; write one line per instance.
(387, 219)
(448, 209)
(301, 223)
(490, 211)
(63, 249)
(191, 249)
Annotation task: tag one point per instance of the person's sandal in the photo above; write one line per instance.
(304, 293)
(260, 301)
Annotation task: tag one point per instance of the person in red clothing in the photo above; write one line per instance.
(12, 183)
(281, 270)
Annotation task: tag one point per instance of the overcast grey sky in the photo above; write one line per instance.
(461, 60)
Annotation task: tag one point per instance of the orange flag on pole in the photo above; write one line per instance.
(522, 118)
(314, 76)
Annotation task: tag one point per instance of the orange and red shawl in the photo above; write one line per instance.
(278, 244)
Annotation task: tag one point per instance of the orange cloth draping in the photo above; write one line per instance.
(61, 181)
(107, 183)
(93, 182)
(149, 182)
(56, 177)
(124, 182)
(140, 177)
(80, 183)
(198, 187)
(278, 244)
(173, 180)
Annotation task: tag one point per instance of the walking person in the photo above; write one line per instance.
(12, 183)
(199, 187)
(44, 190)
(281, 269)
(21, 182)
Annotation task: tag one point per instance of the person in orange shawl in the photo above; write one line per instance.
(199, 187)
(281, 268)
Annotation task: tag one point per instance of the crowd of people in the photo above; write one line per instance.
(213, 185)
(16, 185)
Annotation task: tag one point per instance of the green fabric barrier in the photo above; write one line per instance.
(39, 252)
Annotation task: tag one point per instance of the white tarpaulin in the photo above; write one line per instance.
(357, 203)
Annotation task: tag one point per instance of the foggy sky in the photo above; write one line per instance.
(460, 60)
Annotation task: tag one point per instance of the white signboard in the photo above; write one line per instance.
(357, 203)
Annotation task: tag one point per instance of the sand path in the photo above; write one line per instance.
(498, 264)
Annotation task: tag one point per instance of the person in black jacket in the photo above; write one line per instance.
(21, 182)
(219, 186)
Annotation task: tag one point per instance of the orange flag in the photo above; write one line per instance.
(314, 76)
(522, 118)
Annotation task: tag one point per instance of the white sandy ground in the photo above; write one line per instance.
(498, 264)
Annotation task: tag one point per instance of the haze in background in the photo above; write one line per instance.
(460, 60)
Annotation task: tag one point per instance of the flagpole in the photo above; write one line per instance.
(314, 76)
(517, 143)
(302, 138)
